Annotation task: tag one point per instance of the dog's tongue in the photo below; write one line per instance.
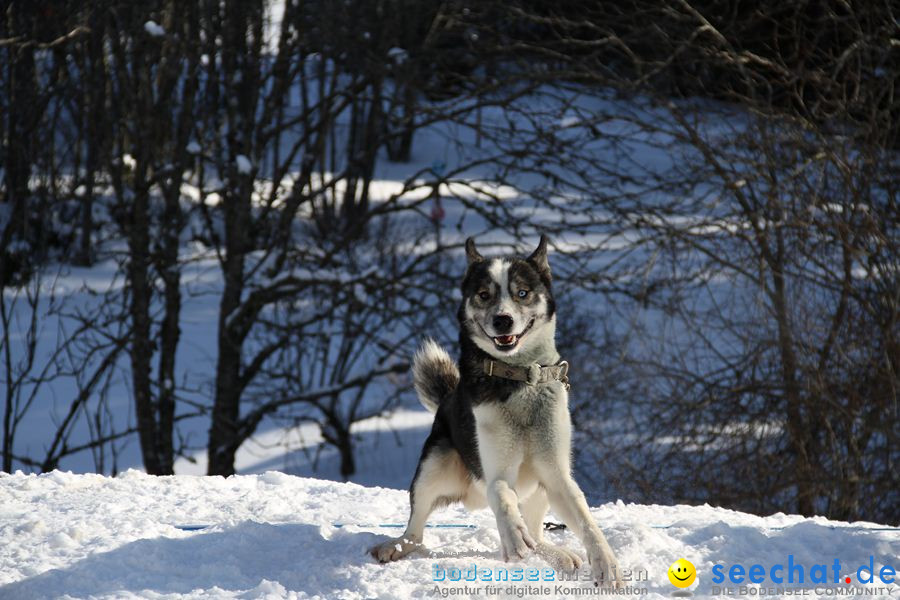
(506, 339)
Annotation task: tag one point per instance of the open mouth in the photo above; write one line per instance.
(508, 342)
(502, 341)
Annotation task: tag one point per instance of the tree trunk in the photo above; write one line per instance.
(141, 349)
(10, 403)
(338, 434)
(242, 22)
(21, 118)
(170, 332)
(223, 433)
(797, 424)
(223, 442)
(345, 445)
(399, 143)
(94, 98)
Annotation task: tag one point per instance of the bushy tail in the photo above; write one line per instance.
(435, 374)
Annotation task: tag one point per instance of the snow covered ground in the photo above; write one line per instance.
(386, 451)
(273, 535)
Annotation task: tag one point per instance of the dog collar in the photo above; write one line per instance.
(533, 374)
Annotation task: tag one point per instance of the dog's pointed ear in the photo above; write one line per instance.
(538, 258)
(472, 254)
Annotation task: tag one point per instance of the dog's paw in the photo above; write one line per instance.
(603, 565)
(561, 559)
(393, 549)
(515, 541)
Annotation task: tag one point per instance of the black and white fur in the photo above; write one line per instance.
(500, 442)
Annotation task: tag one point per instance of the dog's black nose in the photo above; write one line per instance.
(503, 323)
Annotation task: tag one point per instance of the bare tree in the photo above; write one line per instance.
(299, 225)
(155, 70)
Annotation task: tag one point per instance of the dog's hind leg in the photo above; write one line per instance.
(440, 479)
(533, 510)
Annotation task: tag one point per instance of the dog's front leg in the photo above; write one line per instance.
(567, 501)
(501, 456)
(515, 541)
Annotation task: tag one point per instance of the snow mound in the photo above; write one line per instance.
(155, 29)
(278, 536)
(244, 166)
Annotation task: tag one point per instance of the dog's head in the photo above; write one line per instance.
(507, 307)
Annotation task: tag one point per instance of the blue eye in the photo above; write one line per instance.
(523, 293)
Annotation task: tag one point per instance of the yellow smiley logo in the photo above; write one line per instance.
(682, 573)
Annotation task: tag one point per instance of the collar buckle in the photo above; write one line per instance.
(564, 374)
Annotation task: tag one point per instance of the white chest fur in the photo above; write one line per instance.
(529, 410)
(532, 426)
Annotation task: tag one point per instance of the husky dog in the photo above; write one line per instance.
(502, 433)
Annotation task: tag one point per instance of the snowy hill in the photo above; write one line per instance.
(278, 536)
